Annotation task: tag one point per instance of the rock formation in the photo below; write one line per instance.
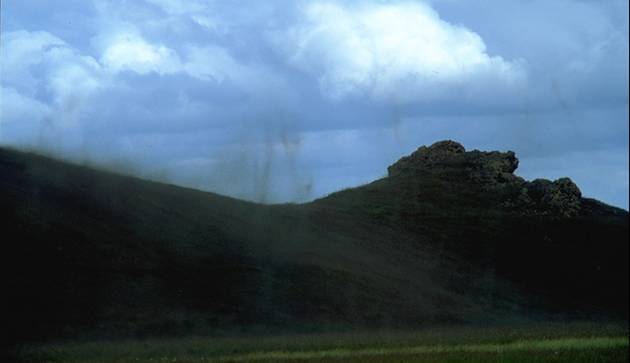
(494, 171)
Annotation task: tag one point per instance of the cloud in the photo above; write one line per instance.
(179, 8)
(392, 52)
(21, 117)
(46, 85)
(581, 46)
(290, 100)
(129, 51)
(215, 64)
(33, 62)
(21, 50)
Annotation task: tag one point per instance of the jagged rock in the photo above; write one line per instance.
(443, 156)
(561, 197)
(492, 171)
(426, 157)
(493, 167)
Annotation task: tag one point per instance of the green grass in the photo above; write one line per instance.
(550, 343)
(541, 348)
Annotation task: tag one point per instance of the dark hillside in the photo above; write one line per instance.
(449, 237)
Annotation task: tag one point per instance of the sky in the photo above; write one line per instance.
(287, 101)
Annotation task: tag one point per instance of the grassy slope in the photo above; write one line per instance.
(96, 251)
(90, 246)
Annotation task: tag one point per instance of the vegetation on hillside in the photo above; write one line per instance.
(451, 237)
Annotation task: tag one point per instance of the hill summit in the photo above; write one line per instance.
(444, 155)
(492, 170)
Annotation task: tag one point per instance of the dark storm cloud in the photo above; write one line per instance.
(290, 100)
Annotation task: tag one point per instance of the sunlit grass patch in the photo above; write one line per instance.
(552, 343)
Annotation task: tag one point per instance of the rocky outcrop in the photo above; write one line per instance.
(446, 156)
(492, 170)
(427, 157)
(561, 197)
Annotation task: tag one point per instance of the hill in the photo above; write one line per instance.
(449, 237)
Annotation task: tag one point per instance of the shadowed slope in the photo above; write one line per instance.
(450, 236)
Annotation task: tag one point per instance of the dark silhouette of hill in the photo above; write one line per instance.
(448, 237)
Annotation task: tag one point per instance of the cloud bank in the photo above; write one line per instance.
(401, 53)
(288, 101)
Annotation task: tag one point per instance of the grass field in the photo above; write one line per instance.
(549, 343)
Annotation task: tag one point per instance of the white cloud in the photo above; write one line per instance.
(394, 51)
(72, 75)
(129, 51)
(21, 50)
(35, 60)
(45, 83)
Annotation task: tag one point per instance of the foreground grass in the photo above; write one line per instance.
(569, 349)
(550, 343)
